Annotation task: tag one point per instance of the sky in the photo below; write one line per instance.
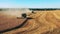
(29, 3)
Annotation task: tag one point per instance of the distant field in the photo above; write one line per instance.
(43, 22)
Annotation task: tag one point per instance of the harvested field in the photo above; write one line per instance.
(43, 22)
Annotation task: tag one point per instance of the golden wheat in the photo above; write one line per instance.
(44, 22)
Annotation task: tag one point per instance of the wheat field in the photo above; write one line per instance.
(43, 22)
